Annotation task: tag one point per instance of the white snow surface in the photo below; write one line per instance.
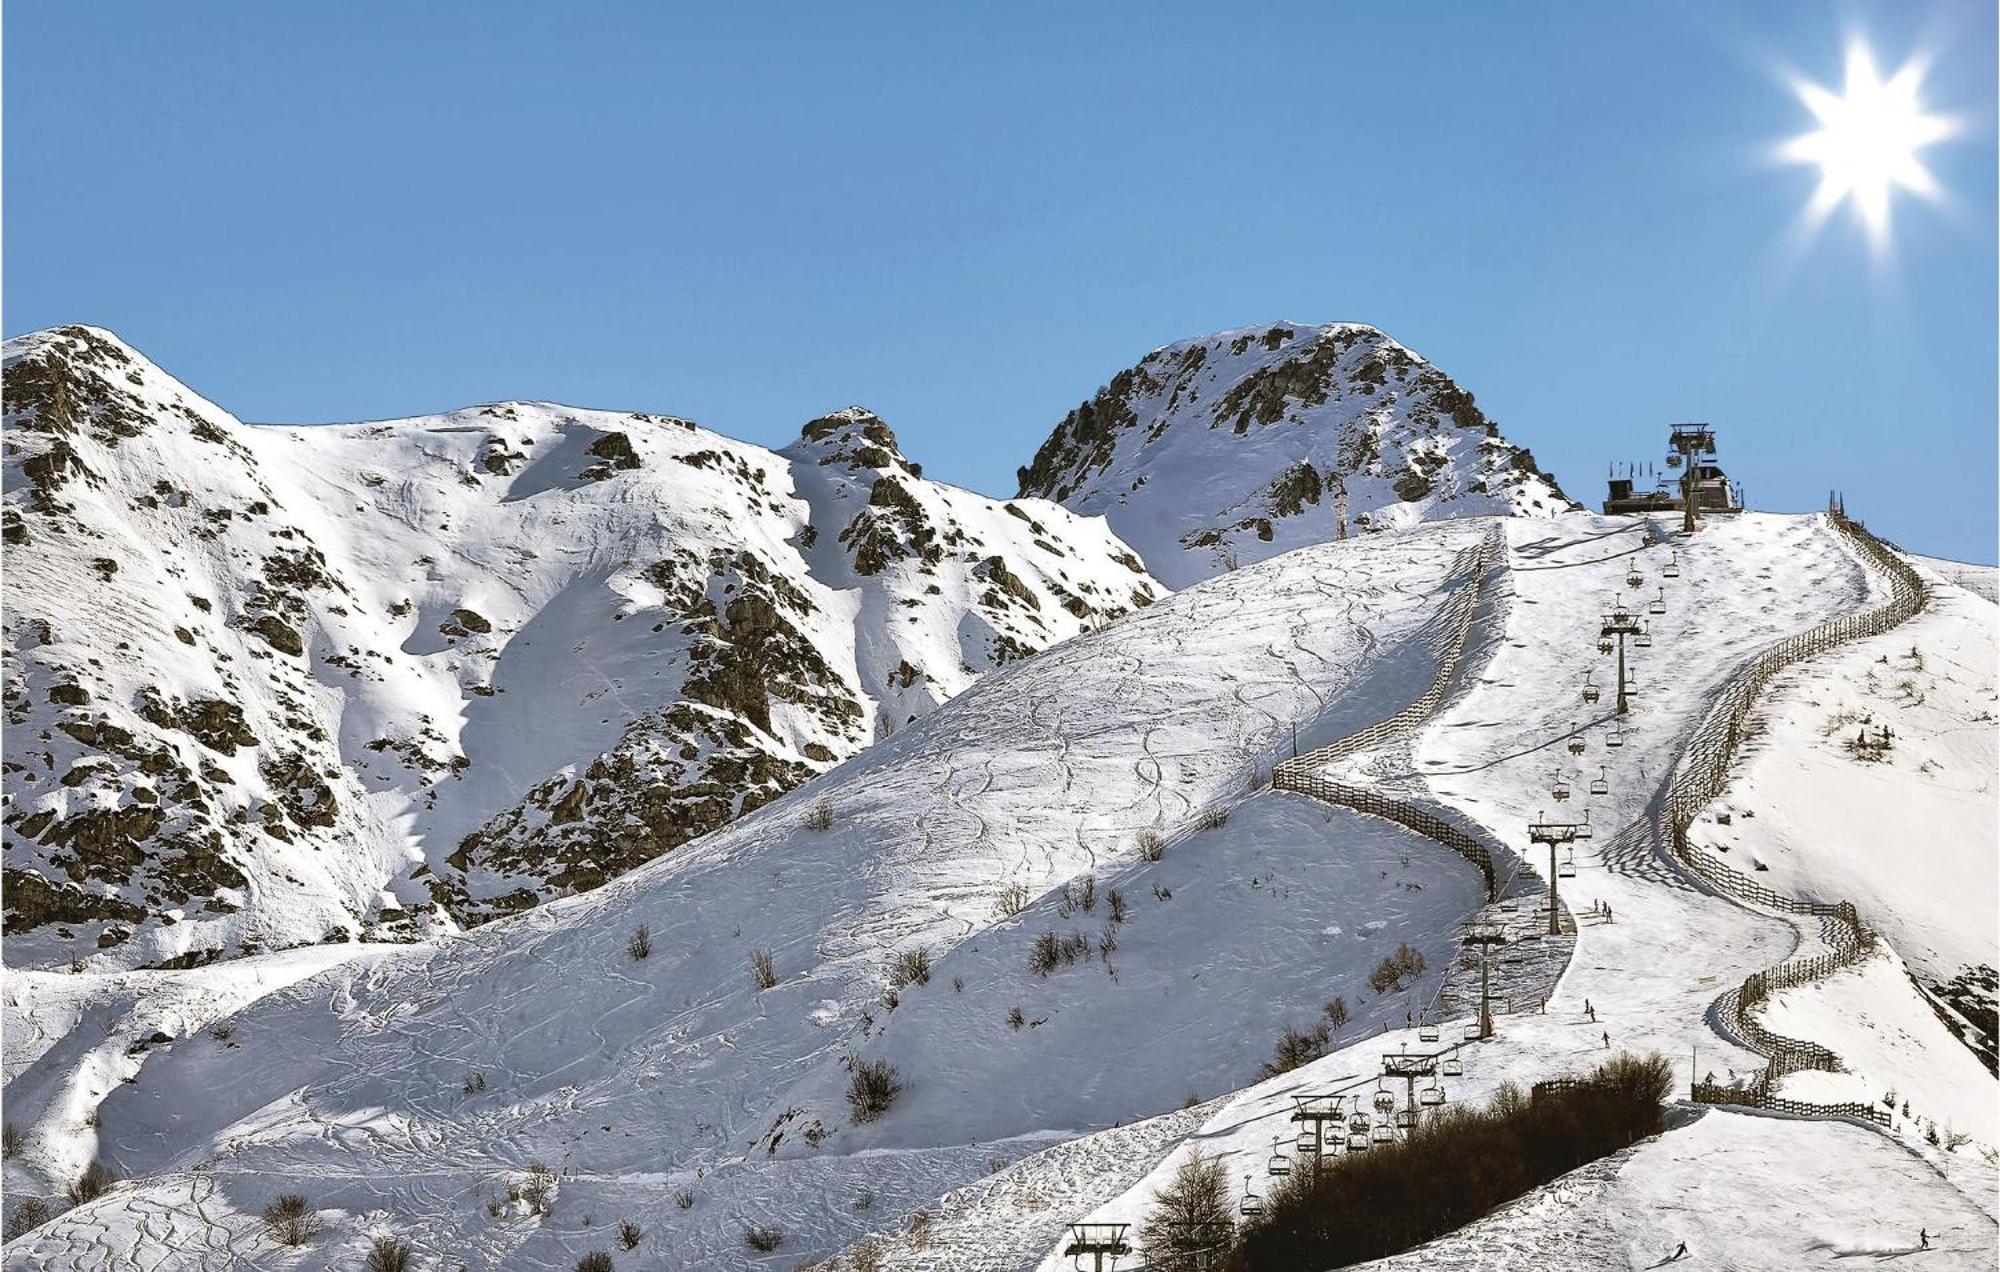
(638, 1078)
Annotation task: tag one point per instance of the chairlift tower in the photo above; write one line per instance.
(1409, 1067)
(1098, 1242)
(1316, 1111)
(1554, 834)
(1620, 623)
(1689, 443)
(1485, 938)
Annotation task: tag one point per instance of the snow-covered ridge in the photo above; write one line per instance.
(1228, 449)
(271, 685)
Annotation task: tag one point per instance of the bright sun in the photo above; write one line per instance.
(1867, 142)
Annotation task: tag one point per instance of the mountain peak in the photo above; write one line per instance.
(854, 436)
(1229, 448)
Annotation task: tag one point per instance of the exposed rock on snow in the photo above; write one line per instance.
(1225, 450)
(338, 682)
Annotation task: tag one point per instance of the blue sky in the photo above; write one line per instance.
(968, 217)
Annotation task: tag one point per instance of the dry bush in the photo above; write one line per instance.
(630, 1235)
(94, 1182)
(291, 1220)
(913, 967)
(872, 1088)
(1214, 817)
(1406, 964)
(763, 969)
(11, 1140)
(763, 1238)
(1152, 845)
(539, 1188)
(1114, 902)
(820, 815)
(31, 1213)
(1296, 1047)
(684, 1199)
(641, 943)
(388, 1254)
(1052, 951)
(595, 1261)
(1013, 899)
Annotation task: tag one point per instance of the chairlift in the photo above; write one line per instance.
(1601, 784)
(1384, 1101)
(1674, 459)
(1472, 1030)
(1406, 1119)
(1454, 1067)
(1566, 871)
(1658, 605)
(1427, 1033)
(1614, 738)
(1644, 639)
(1279, 1164)
(1307, 1142)
(1560, 791)
(1672, 569)
(1357, 1142)
(1634, 579)
(1381, 1134)
(1584, 830)
(1359, 1122)
(1250, 1207)
(1431, 1096)
(1590, 691)
(1604, 646)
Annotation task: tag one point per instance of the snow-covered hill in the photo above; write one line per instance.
(268, 686)
(1229, 449)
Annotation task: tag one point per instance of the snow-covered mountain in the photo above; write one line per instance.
(1221, 451)
(270, 685)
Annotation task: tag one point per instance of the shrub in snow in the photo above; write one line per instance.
(1336, 1012)
(763, 969)
(684, 1198)
(1152, 846)
(1114, 902)
(913, 967)
(1295, 1047)
(93, 1183)
(630, 1235)
(866, 1257)
(820, 815)
(1191, 1217)
(1406, 964)
(1211, 818)
(1013, 899)
(641, 943)
(388, 1254)
(762, 1238)
(30, 1214)
(538, 1190)
(291, 1221)
(595, 1261)
(871, 1088)
(10, 1140)
(1052, 951)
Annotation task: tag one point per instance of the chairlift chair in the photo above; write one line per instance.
(1601, 784)
(1307, 1142)
(1644, 639)
(1472, 1031)
(1604, 647)
(1658, 605)
(1674, 459)
(1633, 579)
(1584, 830)
(1381, 1134)
(1673, 567)
(1359, 1122)
(1560, 791)
(1590, 691)
(1406, 1119)
(1384, 1101)
(1357, 1141)
(1431, 1096)
(1566, 871)
(1279, 1165)
(1454, 1067)
(1251, 1206)
(1614, 738)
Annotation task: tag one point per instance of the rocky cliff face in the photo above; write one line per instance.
(268, 686)
(1222, 451)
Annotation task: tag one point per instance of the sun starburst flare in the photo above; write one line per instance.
(1867, 142)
